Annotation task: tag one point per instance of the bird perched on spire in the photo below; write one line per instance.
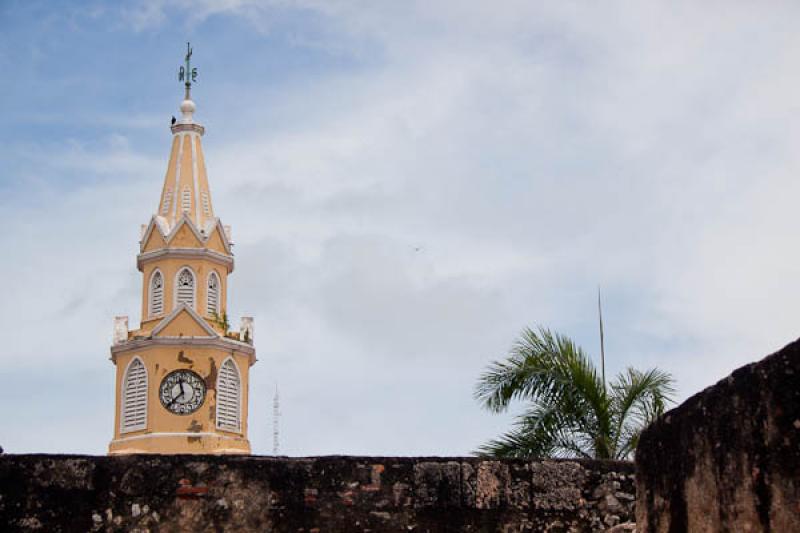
(174, 120)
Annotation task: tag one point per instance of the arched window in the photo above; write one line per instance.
(156, 294)
(229, 397)
(184, 288)
(134, 397)
(212, 307)
(186, 200)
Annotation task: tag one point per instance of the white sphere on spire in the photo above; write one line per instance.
(187, 106)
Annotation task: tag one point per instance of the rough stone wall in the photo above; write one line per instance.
(311, 495)
(727, 459)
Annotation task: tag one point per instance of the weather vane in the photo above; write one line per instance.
(188, 74)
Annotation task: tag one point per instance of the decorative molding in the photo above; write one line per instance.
(161, 435)
(224, 233)
(222, 343)
(155, 221)
(191, 128)
(177, 187)
(211, 225)
(185, 253)
(185, 219)
(195, 180)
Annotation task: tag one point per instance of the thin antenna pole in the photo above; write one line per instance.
(276, 414)
(602, 341)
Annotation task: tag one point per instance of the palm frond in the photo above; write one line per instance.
(638, 398)
(532, 369)
(540, 432)
(572, 414)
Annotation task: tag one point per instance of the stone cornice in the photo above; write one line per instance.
(206, 342)
(197, 128)
(185, 253)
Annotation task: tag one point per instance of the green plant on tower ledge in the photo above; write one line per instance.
(222, 321)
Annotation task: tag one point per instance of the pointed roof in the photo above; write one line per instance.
(194, 327)
(186, 187)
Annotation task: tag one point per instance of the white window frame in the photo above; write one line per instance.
(210, 312)
(150, 299)
(175, 301)
(239, 398)
(123, 427)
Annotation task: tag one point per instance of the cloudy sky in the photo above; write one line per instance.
(410, 184)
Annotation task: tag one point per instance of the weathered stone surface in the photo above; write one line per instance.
(727, 459)
(324, 494)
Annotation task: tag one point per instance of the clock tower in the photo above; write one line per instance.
(182, 376)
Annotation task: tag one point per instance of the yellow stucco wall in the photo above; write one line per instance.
(202, 178)
(215, 241)
(161, 360)
(169, 268)
(185, 238)
(186, 179)
(183, 325)
(154, 242)
(169, 178)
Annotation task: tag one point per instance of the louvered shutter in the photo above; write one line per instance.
(228, 397)
(157, 294)
(185, 289)
(167, 198)
(186, 200)
(134, 397)
(213, 294)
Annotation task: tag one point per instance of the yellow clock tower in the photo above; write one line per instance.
(182, 377)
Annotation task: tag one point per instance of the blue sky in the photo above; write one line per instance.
(409, 184)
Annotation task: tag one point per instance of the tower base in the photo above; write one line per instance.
(178, 443)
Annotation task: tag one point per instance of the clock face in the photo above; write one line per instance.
(182, 392)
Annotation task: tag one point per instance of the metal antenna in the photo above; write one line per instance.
(276, 415)
(602, 342)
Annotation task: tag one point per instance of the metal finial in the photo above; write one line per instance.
(187, 74)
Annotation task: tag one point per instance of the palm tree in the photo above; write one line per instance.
(572, 413)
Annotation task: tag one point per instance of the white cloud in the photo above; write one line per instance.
(482, 168)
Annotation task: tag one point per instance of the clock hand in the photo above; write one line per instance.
(173, 400)
(177, 396)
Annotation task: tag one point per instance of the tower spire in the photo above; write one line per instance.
(186, 189)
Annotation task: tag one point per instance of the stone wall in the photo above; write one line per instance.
(325, 494)
(727, 459)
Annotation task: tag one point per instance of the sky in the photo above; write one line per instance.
(410, 184)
